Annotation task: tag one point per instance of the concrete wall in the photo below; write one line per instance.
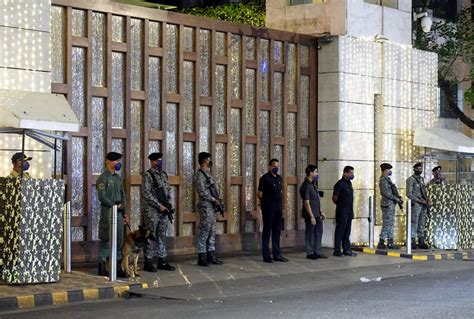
(371, 96)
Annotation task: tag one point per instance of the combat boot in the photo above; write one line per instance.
(212, 258)
(163, 264)
(413, 243)
(391, 245)
(202, 260)
(422, 244)
(149, 265)
(102, 269)
(381, 244)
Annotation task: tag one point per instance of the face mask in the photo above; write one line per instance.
(275, 170)
(210, 163)
(315, 179)
(351, 177)
(26, 165)
(417, 173)
(390, 173)
(118, 166)
(159, 164)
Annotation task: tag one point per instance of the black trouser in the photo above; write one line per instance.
(271, 225)
(313, 236)
(343, 232)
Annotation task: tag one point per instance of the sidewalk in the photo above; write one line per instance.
(83, 284)
(420, 254)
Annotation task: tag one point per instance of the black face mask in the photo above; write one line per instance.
(210, 163)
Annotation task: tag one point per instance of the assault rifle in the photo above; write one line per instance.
(395, 192)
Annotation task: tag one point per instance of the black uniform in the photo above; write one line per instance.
(344, 214)
(271, 204)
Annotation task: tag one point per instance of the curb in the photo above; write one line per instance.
(390, 253)
(66, 297)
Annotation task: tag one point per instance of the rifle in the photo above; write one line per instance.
(214, 193)
(395, 192)
(164, 200)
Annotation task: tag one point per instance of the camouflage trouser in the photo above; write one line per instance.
(206, 239)
(104, 229)
(418, 220)
(158, 224)
(388, 218)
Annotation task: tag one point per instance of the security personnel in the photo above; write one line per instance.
(155, 180)
(110, 192)
(416, 191)
(389, 199)
(270, 196)
(20, 163)
(343, 197)
(312, 214)
(437, 178)
(206, 239)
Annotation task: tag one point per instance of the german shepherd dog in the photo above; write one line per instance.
(133, 244)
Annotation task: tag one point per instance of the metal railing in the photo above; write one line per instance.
(67, 237)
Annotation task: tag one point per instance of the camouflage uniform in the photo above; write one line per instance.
(438, 181)
(110, 191)
(153, 219)
(207, 213)
(416, 191)
(15, 174)
(388, 207)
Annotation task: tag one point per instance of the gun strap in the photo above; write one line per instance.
(208, 180)
(155, 183)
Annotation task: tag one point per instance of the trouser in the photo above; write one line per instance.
(206, 239)
(104, 229)
(158, 225)
(388, 219)
(313, 236)
(271, 226)
(343, 232)
(418, 220)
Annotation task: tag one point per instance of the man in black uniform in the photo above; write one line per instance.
(343, 197)
(270, 196)
(312, 214)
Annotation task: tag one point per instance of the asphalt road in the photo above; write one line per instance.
(434, 289)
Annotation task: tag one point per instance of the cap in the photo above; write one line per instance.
(18, 156)
(113, 156)
(155, 156)
(435, 169)
(203, 155)
(419, 164)
(385, 166)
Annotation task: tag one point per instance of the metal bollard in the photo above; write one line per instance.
(408, 235)
(67, 237)
(371, 222)
(113, 244)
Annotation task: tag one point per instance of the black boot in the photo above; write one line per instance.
(422, 244)
(212, 258)
(202, 260)
(381, 244)
(163, 264)
(149, 265)
(120, 272)
(102, 269)
(391, 245)
(413, 243)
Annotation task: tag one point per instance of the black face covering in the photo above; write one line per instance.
(210, 163)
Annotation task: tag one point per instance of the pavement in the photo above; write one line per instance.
(246, 268)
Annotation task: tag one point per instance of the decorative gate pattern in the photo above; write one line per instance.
(143, 80)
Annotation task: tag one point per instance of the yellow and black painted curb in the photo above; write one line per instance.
(67, 297)
(419, 257)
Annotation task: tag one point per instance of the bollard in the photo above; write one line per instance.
(113, 244)
(371, 222)
(67, 237)
(408, 236)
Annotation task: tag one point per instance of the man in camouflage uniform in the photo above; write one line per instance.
(438, 179)
(389, 199)
(207, 212)
(155, 180)
(21, 163)
(110, 192)
(416, 191)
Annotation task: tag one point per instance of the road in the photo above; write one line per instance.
(432, 289)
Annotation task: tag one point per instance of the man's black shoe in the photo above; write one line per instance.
(280, 258)
(149, 265)
(267, 259)
(102, 270)
(312, 256)
(337, 254)
(212, 258)
(349, 253)
(322, 256)
(163, 265)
